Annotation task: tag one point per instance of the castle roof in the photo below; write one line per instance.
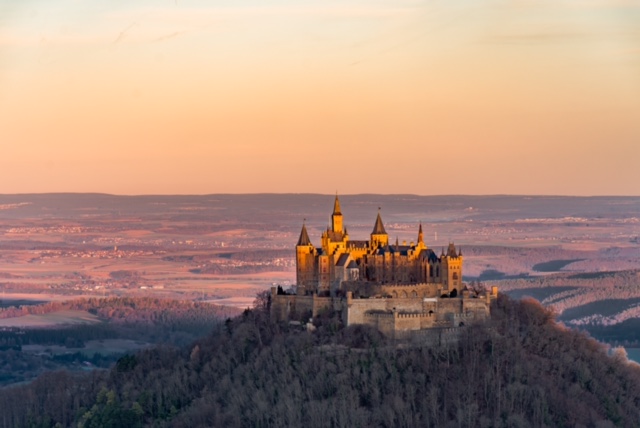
(343, 259)
(335, 236)
(429, 254)
(378, 228)
(352, 265)
(394, 249)
(451, 251)
(357, 244)
(336, 207)
(304, 237)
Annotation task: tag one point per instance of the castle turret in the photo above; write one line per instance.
(336, 217)
(420, 244)
(304, 237)
(379, 237)
(452, 269)
(305, 263)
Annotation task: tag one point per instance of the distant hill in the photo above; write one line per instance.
(519, 370)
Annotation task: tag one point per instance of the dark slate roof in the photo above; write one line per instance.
(336, 206)
(378, 228)
(451, 251)
(429, 254)
(342, 260)
(402, 249)
(394, 249)
(357, 244)
(304, 237)
(352, 265)
(335, 236)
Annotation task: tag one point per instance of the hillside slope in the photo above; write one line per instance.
(519, 370)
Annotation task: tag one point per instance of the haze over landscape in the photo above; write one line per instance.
(161, 159)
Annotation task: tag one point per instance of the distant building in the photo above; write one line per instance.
(397, 288)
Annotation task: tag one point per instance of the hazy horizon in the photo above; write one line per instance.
(453, 195)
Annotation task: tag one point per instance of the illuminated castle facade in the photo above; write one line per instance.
(374, 268)
(405, 291)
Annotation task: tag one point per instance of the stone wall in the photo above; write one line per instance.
(396, 317)
(294, 307)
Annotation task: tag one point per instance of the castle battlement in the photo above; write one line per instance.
(423, 315)
(397, 315)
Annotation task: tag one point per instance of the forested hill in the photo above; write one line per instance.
(519, 370)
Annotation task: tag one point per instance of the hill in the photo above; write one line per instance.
(521, 369)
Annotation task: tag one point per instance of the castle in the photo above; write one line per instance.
(397, 288)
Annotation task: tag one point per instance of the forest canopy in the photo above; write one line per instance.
(520, 369)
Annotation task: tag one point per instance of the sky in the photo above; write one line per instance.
(404, 96)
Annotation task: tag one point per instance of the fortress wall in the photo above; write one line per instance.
(363, 288)
(453, 306)
(356, 309)
(405, 322)
(404, 305)
(385, 325)
(287, 307)
(427, 321)
(414, 290)
(480, 307)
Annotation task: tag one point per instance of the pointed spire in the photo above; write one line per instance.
(397, 242)
(378, 228)
(451, 251)
(336, 206)
(304, 236)
(420, 235)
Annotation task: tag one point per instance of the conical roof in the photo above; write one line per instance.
(420, 235)
(336, 207)
(304, 237)
(451, 251)
(378, 228)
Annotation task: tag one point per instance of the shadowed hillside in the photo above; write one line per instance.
(519, 370)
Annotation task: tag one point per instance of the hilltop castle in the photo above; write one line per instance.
(396, 288)
(342, 264)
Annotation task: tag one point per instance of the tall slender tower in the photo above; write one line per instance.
(336, 217)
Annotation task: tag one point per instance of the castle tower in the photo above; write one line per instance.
(379, 237)
(452, 269)
(336, 217)
(305, 263)
(420, 244)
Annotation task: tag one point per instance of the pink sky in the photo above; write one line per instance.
(424, 97)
